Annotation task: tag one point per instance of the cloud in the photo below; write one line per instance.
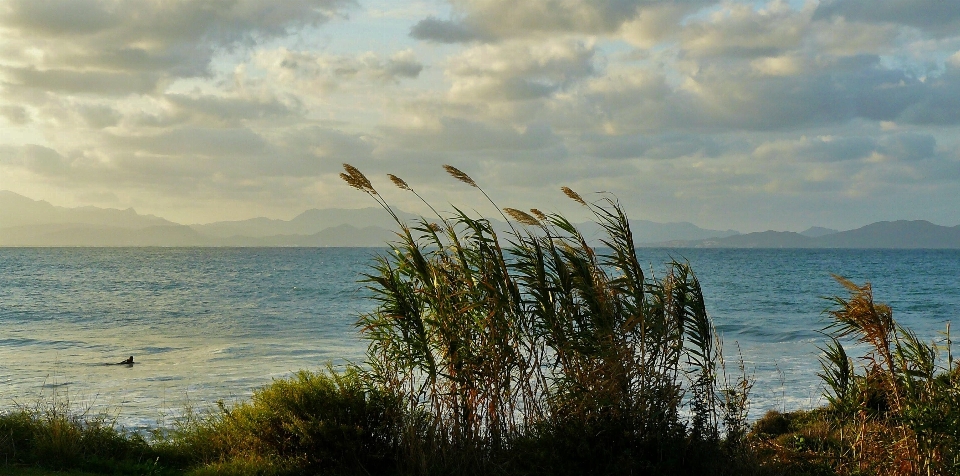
(695, 107)
(230, 109)
(457, 134)
(741, 30)
(519, 70)
(655, 146)
(443, 31)
(70, 81)
(490, 20)
(15, 114)
(909, 147)
(936, 17)
(108, 47)
(36, 158)
(898, 151)
(319, 72)
(98, 116)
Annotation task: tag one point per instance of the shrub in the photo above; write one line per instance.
(52, 434)
(314, 421)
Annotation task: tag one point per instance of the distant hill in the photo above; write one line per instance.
(895, 234)
(309, 222)
(339, 236)
(818, 231)
(884, 234)
(17, 210)
(26, 222)
(647, 232)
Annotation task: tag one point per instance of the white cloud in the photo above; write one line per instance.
(695, 107)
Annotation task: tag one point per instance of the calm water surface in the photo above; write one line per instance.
(209, 323)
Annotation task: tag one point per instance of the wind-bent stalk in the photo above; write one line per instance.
(501, 343)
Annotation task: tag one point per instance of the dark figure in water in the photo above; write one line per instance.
(129, 361)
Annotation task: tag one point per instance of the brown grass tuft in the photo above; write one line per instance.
(399, 182)
(460, 175)
(355, 178)
(521, 216)
(573, 195)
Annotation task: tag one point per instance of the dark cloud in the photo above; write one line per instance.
(37, 159)
(72, 81)
(326, 72)
(15, 114)
(98, 116)
(443, 31)
(105, 45)
(194, 141)
(401, 66)
(938, 17)
(909, 147)
(58, 17)
(487, 20)
(231, 109)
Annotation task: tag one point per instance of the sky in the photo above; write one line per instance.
(731, 114)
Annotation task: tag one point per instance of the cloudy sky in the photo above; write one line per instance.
(729, 114)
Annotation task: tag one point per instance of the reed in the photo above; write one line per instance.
(897, 413)
(537, 338)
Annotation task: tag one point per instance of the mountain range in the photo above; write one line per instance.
(883, 234)
(27, 222)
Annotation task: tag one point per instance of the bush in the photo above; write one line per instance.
(52, 435)
(313, 421)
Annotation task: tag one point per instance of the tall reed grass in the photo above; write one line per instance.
(539, 342)
(895, 410)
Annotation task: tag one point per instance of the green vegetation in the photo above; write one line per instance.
(538, 354)
(898, 414)
(52, 435)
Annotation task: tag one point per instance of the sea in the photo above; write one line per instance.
(214, 324)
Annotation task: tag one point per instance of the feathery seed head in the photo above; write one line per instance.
(351, 181)
(521, 217)
(355, 178)
(398, 182)
(537, 213)
(573, 195)
(460, 175)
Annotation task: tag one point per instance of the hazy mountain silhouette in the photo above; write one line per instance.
(26, 222)
(884, 234)
(17, 210)
(307, 223)
(818, 231)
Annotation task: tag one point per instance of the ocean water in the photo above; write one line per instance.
(208, 324)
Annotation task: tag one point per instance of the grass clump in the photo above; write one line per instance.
(323, 422)
(537, 353)
(897, 413)
(50, 435)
